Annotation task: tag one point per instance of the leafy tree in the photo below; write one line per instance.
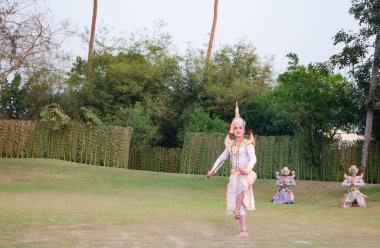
(200, 121)
(356, 48)
(11, 97)
(145, 132)
(314, 102)
(72, 98)
(24, 99)
(146, 71)
(41, 88)
(235, 73)
(89, 117)
(261, 117)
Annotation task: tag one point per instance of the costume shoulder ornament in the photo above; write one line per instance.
(228, 142)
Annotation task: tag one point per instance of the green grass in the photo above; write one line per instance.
(51, 203)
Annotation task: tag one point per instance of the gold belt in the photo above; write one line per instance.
(236, 170)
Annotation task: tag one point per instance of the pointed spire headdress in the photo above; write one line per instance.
(237, 120)
(353, 169)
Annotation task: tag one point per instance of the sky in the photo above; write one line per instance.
(274, 27)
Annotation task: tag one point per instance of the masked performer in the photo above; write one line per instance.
(242, 160)
(354, 197)
(283, 183)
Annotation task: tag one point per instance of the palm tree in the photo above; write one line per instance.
(92, 37)
(212, 31)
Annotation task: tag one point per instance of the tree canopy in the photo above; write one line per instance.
(142, 82)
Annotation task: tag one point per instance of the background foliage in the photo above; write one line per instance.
(141, 81)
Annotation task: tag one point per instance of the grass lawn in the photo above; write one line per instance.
(52, 203)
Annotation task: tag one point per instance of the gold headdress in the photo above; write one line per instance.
(285, 171)
(353, 169)
(237, 120)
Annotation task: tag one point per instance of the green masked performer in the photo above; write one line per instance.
(242, 160)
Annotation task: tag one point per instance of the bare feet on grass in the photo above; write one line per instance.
(242, 234)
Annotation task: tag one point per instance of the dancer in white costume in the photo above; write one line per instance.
(242, 158)
(353, 197)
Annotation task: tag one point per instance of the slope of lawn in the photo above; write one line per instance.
(52, 203)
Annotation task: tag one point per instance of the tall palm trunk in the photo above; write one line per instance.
(370, 109)
(212, 32)
(92, 37)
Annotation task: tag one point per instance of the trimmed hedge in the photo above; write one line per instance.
(104, 145)
(200, 150)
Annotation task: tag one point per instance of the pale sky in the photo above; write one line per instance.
(274, 27)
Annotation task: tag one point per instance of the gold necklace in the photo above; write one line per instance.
(235, 147)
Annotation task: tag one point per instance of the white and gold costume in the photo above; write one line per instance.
(353, 197)
(242, 155)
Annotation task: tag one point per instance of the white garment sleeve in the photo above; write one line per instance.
(220, 160)
(279, 183)
(346, 182)
(251, 156)
(359, 182)
(291, 182)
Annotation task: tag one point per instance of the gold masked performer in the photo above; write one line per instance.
(242, 160)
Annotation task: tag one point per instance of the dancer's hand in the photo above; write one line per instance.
(210, 174)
